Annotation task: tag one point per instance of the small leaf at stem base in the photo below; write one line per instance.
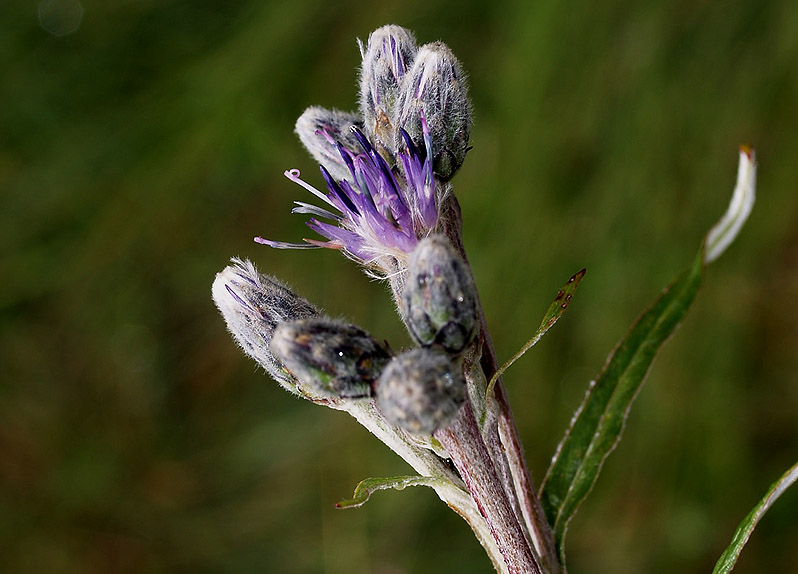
(367, 487)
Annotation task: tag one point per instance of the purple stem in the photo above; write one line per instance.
(508, 454)
(463, 440)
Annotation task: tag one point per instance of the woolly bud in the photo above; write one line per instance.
(440, 298)
(387, 56)
(319, 129)
(436, 85)
(421, 390)
(331, 358)
(252, 306)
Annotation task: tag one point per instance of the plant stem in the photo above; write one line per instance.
(450, 489)
(531, 509)
(501, 435)
(498, 434)
(463, 440)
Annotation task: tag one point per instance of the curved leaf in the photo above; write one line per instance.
(553, 314)
(599, 421)
(367, 487)
(729, 557)
(725, 231)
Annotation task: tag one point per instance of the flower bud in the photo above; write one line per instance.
(436, 86)
(331, 358)
(252, 306)
(421, 390)
(440, 297)
(319, 129)
(387, 56)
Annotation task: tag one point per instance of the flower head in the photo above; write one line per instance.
(387, 56)
(385, 168)
(378, 211)
(436, 86)
(421, 390)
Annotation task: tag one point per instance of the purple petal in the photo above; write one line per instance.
(362, 139)
(348, 240)
(411, 146)
(343, 236)
(346, 155)
(333, 186)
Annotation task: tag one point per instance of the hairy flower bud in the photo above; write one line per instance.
(319, 129)
(387, 56)
(253, 305)
(436, 86)
(421, 390)
(331, 358)
(440, 297)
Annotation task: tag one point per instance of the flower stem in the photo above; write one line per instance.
(449, 488)
(463, 440)
(531, 509)
(501, 436)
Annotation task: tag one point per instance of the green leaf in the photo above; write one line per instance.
(597, 425)
(599, 421)
(367, 487)
(729, 557)
(555, 311)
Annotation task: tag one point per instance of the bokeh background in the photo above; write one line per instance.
(143, 144)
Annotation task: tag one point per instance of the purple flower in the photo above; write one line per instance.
(383, 182)
(378, 210)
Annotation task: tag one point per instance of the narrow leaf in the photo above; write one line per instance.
(599, 421)
(555, 311)
(367, 487)
(729, 557)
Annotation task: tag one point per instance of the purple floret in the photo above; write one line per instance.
(382, 210)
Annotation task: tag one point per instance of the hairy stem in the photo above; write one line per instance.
(498, 432)
(501, 435)
(463, 440)
(531, 509)
(451, 489)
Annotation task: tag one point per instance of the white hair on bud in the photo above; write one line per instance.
(436, 85)
(387, 57)
(318, 128)
(252, 305)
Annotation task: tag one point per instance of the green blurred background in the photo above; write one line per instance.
(140, 152)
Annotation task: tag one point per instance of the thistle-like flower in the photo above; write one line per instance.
(442, 406)
(378, 211)
(382, 191)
